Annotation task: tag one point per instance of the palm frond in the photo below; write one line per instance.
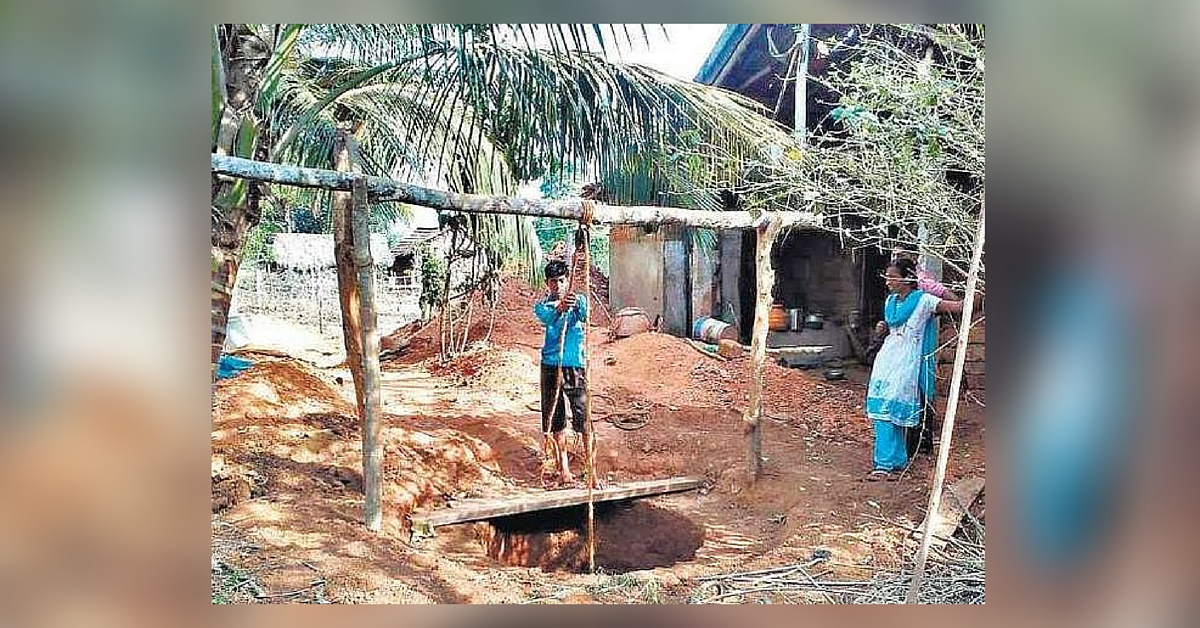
(582, 109)
(478, 107)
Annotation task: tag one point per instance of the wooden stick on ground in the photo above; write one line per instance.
(960, 357)
(758, 350)
(698, 346)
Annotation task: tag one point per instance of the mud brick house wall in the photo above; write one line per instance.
(973, 371)
(813, 272)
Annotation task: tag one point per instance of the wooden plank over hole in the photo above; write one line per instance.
(479, 509)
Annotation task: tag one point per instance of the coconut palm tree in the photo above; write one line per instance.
(468, 107)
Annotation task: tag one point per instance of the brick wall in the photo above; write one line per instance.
(973, 371)
(813, 271)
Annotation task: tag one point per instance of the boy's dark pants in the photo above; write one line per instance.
(554, 414)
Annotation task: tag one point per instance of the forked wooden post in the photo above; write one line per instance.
(343, 254)
(758, 346)
(356, 289)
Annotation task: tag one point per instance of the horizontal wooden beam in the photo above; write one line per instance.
(479, 509)
(380, 189)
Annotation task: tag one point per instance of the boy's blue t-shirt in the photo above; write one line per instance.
(574, 319)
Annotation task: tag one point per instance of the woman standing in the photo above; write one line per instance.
(903, 374)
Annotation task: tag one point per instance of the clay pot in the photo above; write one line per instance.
(777, 319)
(630, 321)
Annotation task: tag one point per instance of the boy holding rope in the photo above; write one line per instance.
(563, 374)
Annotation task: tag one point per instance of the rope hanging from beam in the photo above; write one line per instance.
(589, 434)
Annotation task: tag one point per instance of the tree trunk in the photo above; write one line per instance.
(241, 71)
(380, 190)
(371, 445)
(758, 347)
(471, 283)
(227, 239)
(447, 325)
(347, 277)
(939, 474)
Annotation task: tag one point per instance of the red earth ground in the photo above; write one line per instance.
(287, 484)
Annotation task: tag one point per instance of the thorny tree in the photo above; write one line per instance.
(902, 160)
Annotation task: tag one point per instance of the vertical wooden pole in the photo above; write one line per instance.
(800, 121)
(758, 346)
(372, 447)
(939, 475)
(356, 292)
(320, 308)
(446, 325)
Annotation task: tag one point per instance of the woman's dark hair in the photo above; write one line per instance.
(556, 268)
(907, 267)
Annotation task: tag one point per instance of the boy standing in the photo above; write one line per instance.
(563, 316)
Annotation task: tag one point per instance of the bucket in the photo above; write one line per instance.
(712, 330)
(795, 320)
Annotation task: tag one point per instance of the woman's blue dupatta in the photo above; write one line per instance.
(895, 313)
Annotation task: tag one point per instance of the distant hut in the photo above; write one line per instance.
(300, 284)
(314, 251)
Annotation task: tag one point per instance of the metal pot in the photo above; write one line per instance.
(814, 320)
(794, 319)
